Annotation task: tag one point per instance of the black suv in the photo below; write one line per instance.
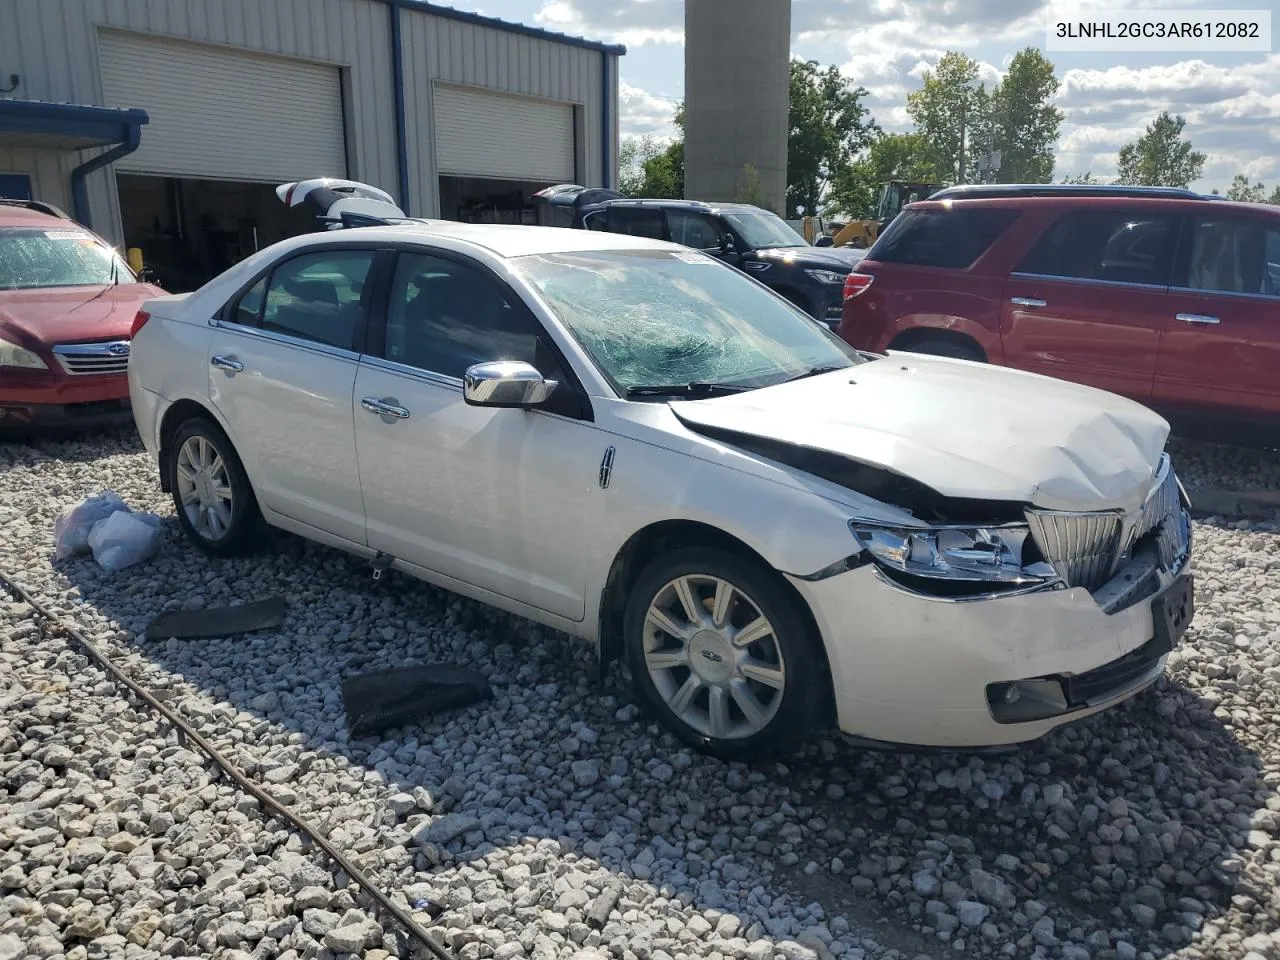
(747, 237)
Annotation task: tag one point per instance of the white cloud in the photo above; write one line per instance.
(640, 113)
(634, 24)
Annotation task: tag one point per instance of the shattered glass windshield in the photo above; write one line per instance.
(660, 317)
(61, 257)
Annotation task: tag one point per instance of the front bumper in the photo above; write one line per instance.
(33, 399)
(928, 672)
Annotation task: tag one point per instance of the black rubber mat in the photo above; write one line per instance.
(218, 621)
(392, 698)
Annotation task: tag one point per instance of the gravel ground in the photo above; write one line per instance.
(1153, 831)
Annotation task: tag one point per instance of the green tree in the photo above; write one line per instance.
(1161, 157)
(1245, 192)
(950, 107)
(648, 167)
(750, 189)
(1023, 124)
(855, 190)
(1275, 197)
(829, 126)
(1082, 178)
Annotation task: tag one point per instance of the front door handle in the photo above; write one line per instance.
(387, 407)
(1198, 318)
(1027, 302)
(229, 364)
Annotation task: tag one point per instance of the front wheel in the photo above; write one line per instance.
(720, 653)
(211, 491)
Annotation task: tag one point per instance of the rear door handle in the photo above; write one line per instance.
(1198, 318)
(385, 408)
(229, 364)
(1027, 302)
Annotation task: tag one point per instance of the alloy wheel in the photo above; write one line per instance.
(204, 487)
(713, 657)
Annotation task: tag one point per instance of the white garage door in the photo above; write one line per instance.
(484, 134)
(223, 115)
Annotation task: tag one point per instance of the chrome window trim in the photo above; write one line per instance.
(284, 339)
(1089, 281)
(1196, 291)
(416, 373)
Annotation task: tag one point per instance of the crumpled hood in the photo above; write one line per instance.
(964, 429)
(830, 258)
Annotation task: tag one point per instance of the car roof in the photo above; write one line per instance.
(699, 205)
(1196, 202)
(504, 240)
(17, 215)
(982, 191)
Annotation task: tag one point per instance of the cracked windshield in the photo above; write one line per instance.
(655, 318)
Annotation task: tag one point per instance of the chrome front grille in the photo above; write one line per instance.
(1081, 547)
(90, 358)
(1087, 548)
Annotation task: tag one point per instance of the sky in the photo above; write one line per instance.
(1231, 101)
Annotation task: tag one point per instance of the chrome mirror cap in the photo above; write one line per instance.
(505, 383)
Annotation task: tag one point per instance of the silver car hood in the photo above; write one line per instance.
(967, 430)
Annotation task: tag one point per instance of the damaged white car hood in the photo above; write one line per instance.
(965, 429)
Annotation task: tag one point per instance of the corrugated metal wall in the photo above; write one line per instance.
(52, 45)
(464, 53)
(50, 172)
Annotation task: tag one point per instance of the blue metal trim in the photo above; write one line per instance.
(606, 122)
(449, 13)
(397, 80)
(79, 192)
(103, 124)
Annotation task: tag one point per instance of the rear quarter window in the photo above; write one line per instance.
(952, 238)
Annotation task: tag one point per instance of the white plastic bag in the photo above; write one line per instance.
(72, 528)
(124, 538)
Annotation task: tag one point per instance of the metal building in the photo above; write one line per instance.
(737, 57)
(165, 124)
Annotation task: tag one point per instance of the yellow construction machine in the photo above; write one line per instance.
(894, 195)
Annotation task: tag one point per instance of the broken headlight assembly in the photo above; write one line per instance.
(955, 560)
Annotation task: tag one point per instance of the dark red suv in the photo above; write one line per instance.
(1165, 296)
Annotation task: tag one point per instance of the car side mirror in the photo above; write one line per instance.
(147, 275)
(505, 383)
(824, 241)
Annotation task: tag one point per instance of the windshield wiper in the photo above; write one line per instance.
(813, 372)
(683, 389)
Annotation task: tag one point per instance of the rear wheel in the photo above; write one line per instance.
(944, 347)
(211, 492)
(720, 653)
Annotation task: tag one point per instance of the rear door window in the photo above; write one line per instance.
(941, 238)
(693, 229)
(637, 222)
(1234, 255)
(1119, 246)
(318, 297)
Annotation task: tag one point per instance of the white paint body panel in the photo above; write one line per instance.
(505, 506)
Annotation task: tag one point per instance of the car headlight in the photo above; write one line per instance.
(12, 355)
(960, 554)
(826, 276)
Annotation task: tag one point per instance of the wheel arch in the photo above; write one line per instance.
(916, 335)
(664, 535)
(174, 416)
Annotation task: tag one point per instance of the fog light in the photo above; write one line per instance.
(1022, 701)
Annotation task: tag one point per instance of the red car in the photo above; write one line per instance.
(67, 303)
(1165, 296)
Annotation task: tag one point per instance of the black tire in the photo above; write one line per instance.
(944, 347)
(804, 665)
(236, 536)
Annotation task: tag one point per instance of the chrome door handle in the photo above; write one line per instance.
(385, 408)
(1198, 318)
(230, 364)
(1027, 302)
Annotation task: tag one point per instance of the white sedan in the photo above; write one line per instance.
(637, 445)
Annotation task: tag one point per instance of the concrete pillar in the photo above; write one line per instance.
(736, 95)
